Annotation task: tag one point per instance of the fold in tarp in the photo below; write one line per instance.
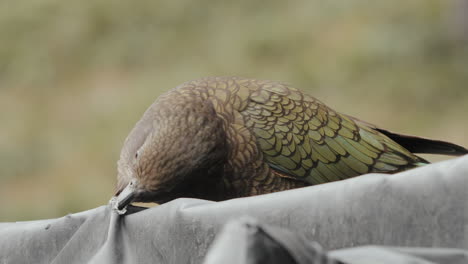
(424, 207)
(247, 241)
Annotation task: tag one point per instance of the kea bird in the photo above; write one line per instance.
(226, 137)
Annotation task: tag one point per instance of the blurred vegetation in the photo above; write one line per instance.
(75, 76)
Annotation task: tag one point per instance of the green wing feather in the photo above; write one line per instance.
(303, 138)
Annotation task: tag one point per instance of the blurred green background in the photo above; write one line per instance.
(75, 76)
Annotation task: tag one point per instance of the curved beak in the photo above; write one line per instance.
(125, 197)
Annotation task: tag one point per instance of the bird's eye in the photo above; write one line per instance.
(136, 155)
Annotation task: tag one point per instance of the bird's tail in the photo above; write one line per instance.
(419, 144)
(425, 145)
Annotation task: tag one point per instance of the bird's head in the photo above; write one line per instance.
(176, 137)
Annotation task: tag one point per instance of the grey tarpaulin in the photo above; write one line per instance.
(425, 207)
(247, 241)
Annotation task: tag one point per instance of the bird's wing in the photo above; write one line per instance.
(303, 138)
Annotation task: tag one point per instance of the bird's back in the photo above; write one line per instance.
(299, 136)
